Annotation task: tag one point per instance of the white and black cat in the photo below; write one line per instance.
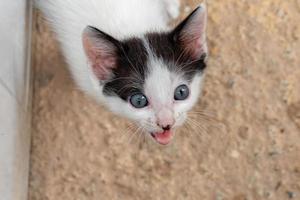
(124, 54)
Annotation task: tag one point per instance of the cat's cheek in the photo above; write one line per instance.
(138, 114)
(181, 109)
(179, 119)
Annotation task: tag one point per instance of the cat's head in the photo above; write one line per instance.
(153, 80)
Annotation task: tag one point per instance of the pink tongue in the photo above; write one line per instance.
(163, 138)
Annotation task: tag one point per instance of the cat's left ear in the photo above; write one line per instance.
(101, 51)
(190, 34)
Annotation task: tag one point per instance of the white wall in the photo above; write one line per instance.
(14, 99)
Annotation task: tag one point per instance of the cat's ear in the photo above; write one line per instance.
(101, 51)
(190, 34)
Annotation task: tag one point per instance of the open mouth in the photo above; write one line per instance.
(164, 137)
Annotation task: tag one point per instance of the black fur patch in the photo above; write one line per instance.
(129, 75)
(165, 46)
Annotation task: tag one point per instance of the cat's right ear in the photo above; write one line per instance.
(190, 34)
(101, 51)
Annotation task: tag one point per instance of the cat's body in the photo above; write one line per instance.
(123, 54)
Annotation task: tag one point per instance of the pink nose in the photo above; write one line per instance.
(165, 119)
(166, 124)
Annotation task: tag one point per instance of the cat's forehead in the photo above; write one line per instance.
(161, 82)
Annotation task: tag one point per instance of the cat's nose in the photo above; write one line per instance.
(166, 128)
(165, 119)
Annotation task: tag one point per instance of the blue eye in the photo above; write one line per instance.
(138, 100)
(181, 93)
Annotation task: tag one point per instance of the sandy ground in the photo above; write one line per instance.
(251, 150)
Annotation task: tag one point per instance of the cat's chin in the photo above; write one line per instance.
(163, 138)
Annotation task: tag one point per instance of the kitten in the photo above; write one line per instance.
(124, 54)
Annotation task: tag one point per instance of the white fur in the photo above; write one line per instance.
(122, 19)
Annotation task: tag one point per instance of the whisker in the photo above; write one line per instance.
(140, 133)
(195, 123)
(209, 112)
(208, 119)
(127, 132)
(195, 132)
(188, 126)
(133, 135)
(206, 113)
(205, 118)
